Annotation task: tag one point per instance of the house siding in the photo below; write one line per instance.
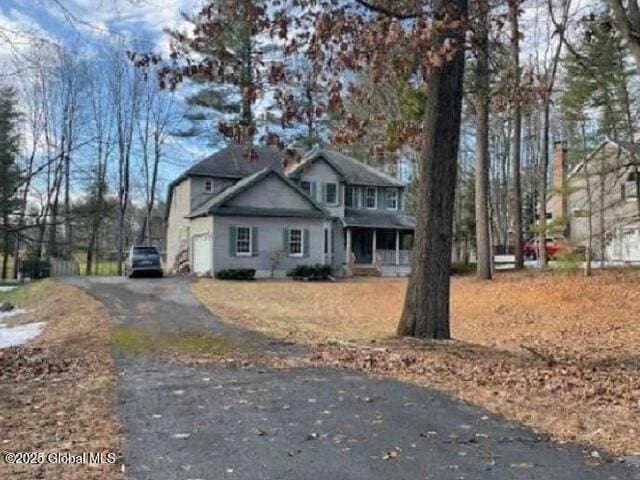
(197, 193)
(321, 173)
(177, 223)
(270, 242)
(606, 195)
(272, 192)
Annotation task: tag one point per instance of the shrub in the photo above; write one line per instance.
(462, 268)
(315, 272)
(236, 274)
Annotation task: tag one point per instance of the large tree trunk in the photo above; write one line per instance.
(426, 308)
(483, 224)
(515, 192)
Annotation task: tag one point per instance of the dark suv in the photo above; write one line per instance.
(143, 260)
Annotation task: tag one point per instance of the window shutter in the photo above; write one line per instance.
(305, 243)
(285, 240)
(254, 241)
(340, 194)
(313, 190)
(324, 193)
(232, 241)
(382, 198)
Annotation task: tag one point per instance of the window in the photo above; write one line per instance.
(331, 194)
(392, 199)
(208, 185)
(243, 241)
(349, 197)
(370, 198)
(630, 190)
(295, 242)
(306, 186)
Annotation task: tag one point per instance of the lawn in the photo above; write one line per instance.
(57, 392)
(558, 352)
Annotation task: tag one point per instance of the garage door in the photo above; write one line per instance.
(202, 262)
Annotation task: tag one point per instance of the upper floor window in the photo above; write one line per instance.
(295, 242)
(392, 199)
(630, 189)
(208, 185)
(306, 186)
(349, 197)
(243, 240)
(331, 194)
(371, 197)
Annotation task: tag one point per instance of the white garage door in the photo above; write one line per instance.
(202, 262)
(631, 243)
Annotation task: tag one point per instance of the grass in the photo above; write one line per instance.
(57, 392)
(26, 293)
(559, 352)
(139, 341)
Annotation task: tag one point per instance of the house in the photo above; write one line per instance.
(269, 212)
(597, 201)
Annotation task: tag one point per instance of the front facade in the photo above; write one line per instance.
(228, 212)
(597, 202)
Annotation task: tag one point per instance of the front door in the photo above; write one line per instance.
(362, 246)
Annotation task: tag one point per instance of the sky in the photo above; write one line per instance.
(82, 25)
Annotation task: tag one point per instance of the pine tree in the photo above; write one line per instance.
(9, 171)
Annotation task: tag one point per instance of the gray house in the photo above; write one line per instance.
(270, 213)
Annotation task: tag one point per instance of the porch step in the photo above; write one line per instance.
(366, 271)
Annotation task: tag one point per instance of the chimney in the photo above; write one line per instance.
(559, 175)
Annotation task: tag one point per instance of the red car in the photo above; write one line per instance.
(530, 249)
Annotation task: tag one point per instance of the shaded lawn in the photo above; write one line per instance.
(558, 352)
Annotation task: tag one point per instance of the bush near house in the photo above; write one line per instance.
(317, 272)
(236, 274)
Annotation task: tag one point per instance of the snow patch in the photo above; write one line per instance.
(12, 336)
(20, 334)
(5, 289)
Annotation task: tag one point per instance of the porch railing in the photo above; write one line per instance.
(388, 257)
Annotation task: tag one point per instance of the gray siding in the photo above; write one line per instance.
(272, 192)
(199, 196)
(320, 173)
(270, 242)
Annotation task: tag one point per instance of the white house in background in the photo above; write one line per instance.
(610, 174)
(262, 211)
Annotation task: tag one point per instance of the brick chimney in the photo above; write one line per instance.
(558, 204)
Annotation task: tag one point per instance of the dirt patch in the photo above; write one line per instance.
(559, 353)
(57, 392)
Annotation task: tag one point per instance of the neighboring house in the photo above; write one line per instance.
(601, 191)
(229, 211)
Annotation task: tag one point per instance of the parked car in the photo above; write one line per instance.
(143, 260)
(530, 248)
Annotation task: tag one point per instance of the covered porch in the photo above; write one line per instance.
(379, 248)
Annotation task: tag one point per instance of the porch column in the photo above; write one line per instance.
(397, 247)
(373, 256)
(348, 252)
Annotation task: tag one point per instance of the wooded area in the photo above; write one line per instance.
(465, 99)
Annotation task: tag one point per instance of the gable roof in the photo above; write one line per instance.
(631, 148)
(351, 170)
(233, 162)
(219, 200)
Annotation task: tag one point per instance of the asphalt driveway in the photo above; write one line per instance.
(202, 423)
